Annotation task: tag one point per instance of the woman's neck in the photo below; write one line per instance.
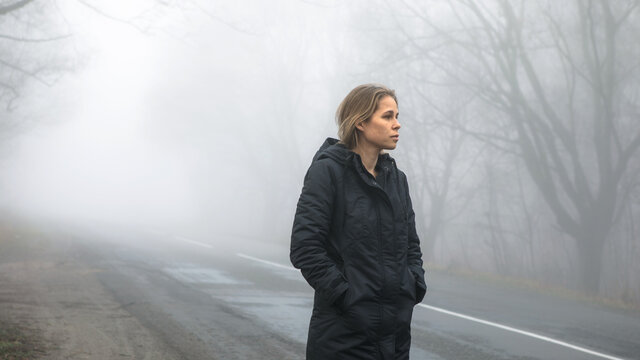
(369, 157)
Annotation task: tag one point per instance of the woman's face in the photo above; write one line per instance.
(381, 131)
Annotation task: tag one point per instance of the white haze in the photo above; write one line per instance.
(199, 119)
(185, 128)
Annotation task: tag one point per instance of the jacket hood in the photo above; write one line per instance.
(333, 149)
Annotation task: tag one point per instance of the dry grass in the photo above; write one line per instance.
(18, 343)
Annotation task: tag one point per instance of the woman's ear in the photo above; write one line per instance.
(360, 126)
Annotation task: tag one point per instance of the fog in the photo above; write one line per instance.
(200, 119)
(180, 125)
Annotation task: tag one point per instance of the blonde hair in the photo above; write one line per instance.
(358, 106)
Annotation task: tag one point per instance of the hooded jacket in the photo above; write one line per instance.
(355, 242)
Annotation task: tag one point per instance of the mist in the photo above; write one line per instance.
(182, 126)
(200, 120)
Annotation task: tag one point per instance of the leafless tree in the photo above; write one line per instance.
(37, 44)
(26, 43)
(437, 171)
(564, 78)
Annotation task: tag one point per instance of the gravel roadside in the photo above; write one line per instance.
(52, 305)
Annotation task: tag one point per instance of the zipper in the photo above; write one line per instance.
(375, 186)
(382, 270)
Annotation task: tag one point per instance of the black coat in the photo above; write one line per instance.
(354, 240)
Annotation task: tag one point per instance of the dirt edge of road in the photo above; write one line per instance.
(53, 306)
(20, 342)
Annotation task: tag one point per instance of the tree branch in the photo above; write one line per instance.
(12, 7)
(32, 74)
(111, 17)
(19, 39)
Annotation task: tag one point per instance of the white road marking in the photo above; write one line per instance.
(267, 262)
(518, 331)
(182, 238)
(470, 318)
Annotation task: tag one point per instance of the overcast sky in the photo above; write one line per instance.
(151, 117)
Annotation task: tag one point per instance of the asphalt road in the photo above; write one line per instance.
(226, 298)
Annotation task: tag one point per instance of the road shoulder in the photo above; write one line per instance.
(54, 305)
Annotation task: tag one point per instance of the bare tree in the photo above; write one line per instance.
(25, 49)
(37, 45)
(564, 78)
(436, 169)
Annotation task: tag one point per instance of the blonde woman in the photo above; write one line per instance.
(354, 236)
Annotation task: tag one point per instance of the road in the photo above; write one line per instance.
(233, 298)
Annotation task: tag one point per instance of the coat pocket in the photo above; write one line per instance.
(362, 317)
(419, 288)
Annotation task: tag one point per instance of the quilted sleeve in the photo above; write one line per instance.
(309, 237)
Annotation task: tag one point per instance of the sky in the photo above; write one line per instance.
(193, 115)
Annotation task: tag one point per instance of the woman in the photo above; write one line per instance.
(354, 236)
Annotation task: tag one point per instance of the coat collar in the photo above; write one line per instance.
(332, 148)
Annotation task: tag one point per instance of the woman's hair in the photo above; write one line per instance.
(358, 106)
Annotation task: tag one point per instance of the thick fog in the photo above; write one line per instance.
(519, 122)
(192, 121)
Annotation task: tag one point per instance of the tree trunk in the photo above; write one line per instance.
(434, 226)
(590, 253)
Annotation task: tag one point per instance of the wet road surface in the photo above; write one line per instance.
(242, 300)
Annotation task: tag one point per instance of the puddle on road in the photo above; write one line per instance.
(287, 315)
(199, 275)
(286, 272)
(418, 353)
(289, 274)
(290, 315)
